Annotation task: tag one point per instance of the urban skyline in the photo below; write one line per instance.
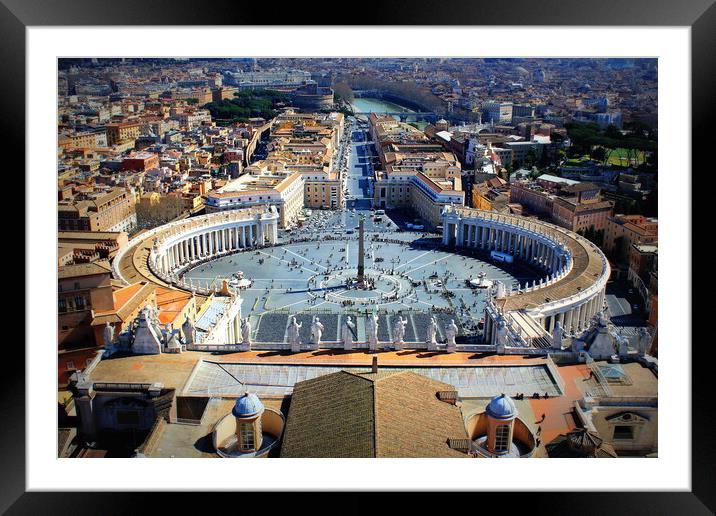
(364, 257)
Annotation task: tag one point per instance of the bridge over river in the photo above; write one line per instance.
(403, 115)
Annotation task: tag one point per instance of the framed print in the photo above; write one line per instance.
(429, 234)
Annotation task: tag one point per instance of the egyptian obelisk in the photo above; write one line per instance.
(361, 253)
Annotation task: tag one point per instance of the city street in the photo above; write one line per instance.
(358, 178)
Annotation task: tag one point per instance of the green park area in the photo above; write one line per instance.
(625, 157)
(611, 146)
(247, 104)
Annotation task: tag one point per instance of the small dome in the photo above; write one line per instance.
(442, 121)
(502, 407)
(247, 405)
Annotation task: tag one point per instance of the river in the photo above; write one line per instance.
(373, 105)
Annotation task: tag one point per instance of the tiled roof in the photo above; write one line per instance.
(126, 301)
(387, 414)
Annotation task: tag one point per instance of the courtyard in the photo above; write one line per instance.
(308, 274)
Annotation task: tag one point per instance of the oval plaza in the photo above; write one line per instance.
(550, 294)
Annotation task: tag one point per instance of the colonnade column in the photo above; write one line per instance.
(237, 328)
(568, 322)
(578, 318)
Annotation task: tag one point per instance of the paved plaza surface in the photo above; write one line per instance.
(308, 272)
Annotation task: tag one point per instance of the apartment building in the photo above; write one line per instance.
(122, 132)
(498, 112)
(282, 189)
(623, 231)
(322, 190)
(577, 207)
(109, 210)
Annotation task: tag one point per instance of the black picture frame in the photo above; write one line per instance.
(700, 15)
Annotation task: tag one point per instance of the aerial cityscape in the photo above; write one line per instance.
(357, 257)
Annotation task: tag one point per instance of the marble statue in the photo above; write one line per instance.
(602, 318)
(316, 332)
(147, 338)
(557, 334)
(501, 335)
(293, 335)
(189, 331)
(644, 341)
(246, 332)
(168, 332)
(150, 312)
(399, 332)
(173, 344)
(347, 334)
(431, 340)
(170, 339)
(623, 346)
(372, 331)
(451, 333)
(108, 335)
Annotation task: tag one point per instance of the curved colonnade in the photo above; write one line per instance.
(571, 293)
(163, 253)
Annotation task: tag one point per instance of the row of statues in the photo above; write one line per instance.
(349, 334)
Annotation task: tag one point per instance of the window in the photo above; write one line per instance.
(502, 434)
(622, 432)
(70, 365)
(246, 434)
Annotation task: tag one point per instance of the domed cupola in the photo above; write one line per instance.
(502, 407)
(248, 406)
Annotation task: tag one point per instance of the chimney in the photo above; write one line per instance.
(374, 367)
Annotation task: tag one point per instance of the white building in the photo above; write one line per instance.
(283, 190)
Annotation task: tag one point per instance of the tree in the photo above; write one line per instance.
(598, 154)
(247, 104)
(530, 158)
(544, 160)
(612, 132)
(343, 91)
